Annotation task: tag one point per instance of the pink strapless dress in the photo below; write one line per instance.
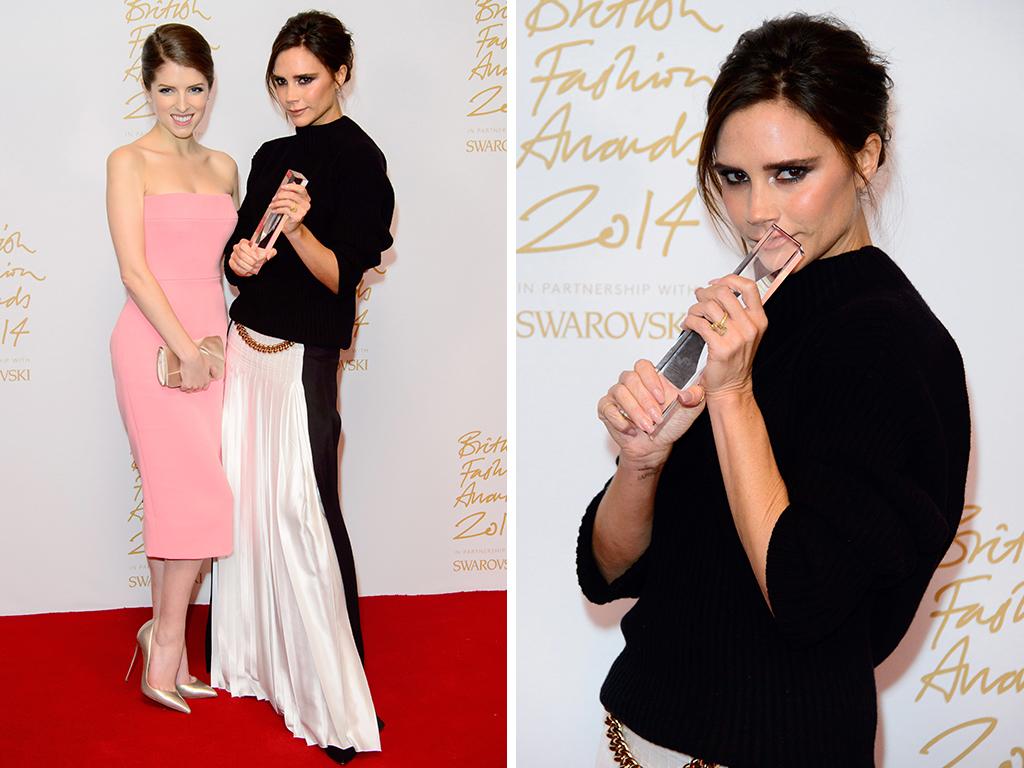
(175, 436)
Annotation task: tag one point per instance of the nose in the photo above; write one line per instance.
(290, 94)
(762, 205)
(182, 101)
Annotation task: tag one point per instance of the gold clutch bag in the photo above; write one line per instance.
(168, 366)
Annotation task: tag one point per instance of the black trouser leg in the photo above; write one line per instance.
(320, 382)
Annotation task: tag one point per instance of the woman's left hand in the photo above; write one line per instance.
(732, 333)
(293, 201)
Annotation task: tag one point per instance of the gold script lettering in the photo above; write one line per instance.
(549, 15)
(988, 722)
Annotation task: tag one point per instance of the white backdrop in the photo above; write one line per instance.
(423, 400)
(610, 248)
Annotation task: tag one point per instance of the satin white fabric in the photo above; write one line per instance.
(280, 629)
(648, 754)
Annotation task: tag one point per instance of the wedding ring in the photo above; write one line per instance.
(294, 209)
(719, 325)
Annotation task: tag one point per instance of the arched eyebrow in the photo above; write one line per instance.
(302, 74)
(722, 168)
(168, 85)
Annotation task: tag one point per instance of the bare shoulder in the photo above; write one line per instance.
(223, 165)
(128, 159)
(126, 170)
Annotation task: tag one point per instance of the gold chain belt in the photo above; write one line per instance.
(267, 349)
(617, 744)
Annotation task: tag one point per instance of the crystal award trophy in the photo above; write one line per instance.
(774, 257)
(271, 224)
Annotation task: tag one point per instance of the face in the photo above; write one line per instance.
(179, 96)
(777, 167)
(305, 88)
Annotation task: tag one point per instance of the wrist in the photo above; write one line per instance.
(731, 398)
(296, 235)
(191, 354)
(643, 469)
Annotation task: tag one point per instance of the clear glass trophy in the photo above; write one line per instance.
(270, 225)
(773, 257)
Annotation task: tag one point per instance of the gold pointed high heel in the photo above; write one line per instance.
(170, 699)
(197, 689)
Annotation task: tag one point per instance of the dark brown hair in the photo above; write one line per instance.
(322, 34)
(178, 44)
(820, 67)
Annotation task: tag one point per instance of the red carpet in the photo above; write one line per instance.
(436, 666)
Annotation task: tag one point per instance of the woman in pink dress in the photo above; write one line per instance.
(171, 208)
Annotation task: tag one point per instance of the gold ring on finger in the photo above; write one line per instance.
(719, 325)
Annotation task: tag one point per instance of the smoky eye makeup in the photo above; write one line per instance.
(731, 176)
(783, 174)
(793, 173)
(300, 79)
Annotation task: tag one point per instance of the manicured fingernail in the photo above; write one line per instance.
(655, 415)
(687, 397)
(660, 394)
(715, 281)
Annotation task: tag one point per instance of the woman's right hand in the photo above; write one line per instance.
(195, 372)
(246, 259)
(632, 414)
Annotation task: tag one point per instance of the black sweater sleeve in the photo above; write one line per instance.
(868, 486)
(362, 206)
(592, 582)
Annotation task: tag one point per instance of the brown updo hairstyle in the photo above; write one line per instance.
(178, 44)
(319, 32)
(817, 65)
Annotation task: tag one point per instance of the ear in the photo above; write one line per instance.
(867, 157)
(341, 75)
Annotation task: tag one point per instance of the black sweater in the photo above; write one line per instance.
(351, 206)
(863, 394)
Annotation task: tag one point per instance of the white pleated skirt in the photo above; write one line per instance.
(280, 631)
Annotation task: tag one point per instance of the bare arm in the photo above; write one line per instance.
(755, 488)
(757, 494)
(622, 525)
(293, 201)
(125, 192)
(235, 191)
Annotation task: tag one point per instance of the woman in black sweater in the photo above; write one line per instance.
(285, 624)
(780, 529)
